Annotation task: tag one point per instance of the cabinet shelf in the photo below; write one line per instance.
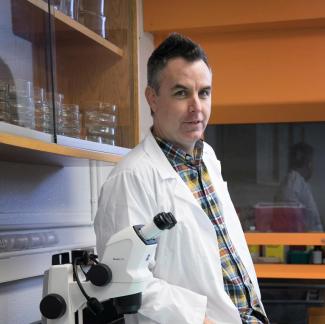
(22, 149)
(68, 24)
(285, 238)
(290, 271)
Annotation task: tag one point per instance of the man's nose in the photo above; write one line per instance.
(195, 103)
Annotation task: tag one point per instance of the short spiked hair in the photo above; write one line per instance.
(174, 46)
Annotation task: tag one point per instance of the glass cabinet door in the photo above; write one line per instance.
(25, 69)
(276, 178)
(95, 100)
(275, 174)
(67, 72)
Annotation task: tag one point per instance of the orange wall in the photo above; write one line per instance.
(192, 14)
(261, 72)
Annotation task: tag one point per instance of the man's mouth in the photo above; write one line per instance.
(193, 122)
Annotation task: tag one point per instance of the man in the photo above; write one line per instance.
(202, 272)
(295, 187)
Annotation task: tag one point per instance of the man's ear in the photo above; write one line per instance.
(151, 97)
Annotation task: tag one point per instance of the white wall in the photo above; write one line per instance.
(146, 47)
(39, 198)
(19, 301)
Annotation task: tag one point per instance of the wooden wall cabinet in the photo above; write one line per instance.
(61, 55)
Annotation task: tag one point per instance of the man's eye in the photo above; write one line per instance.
(205, 93)
(180, 93)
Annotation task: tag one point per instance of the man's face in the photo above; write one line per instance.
(183, 105)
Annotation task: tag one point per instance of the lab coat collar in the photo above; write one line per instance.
(153, 150)
(158, 158)
(167, 172)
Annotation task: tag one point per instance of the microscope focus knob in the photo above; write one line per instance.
(99, 274)
(53, 306)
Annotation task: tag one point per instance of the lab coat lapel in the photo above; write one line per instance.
(167, 172)
(232, 221)
(226, 206)
(158, 158)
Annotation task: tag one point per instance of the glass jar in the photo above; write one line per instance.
(100, 122)
(4, 91)
(21, 103)
(68, 120)
(43, 111)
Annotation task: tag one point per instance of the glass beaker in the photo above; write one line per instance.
(70, 8)
(43, 112)
(100, 122)
(69, 120)
(4, 92)
(21, 103)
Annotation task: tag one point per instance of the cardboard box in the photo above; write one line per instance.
(275, 251)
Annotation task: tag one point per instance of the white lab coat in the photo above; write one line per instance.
(187, 278)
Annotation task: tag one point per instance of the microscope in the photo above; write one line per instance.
(122, 275)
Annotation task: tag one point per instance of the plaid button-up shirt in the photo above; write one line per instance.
(236, 279)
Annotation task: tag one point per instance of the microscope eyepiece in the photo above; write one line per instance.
(164, 221)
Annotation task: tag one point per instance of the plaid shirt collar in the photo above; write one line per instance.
(177, 155)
